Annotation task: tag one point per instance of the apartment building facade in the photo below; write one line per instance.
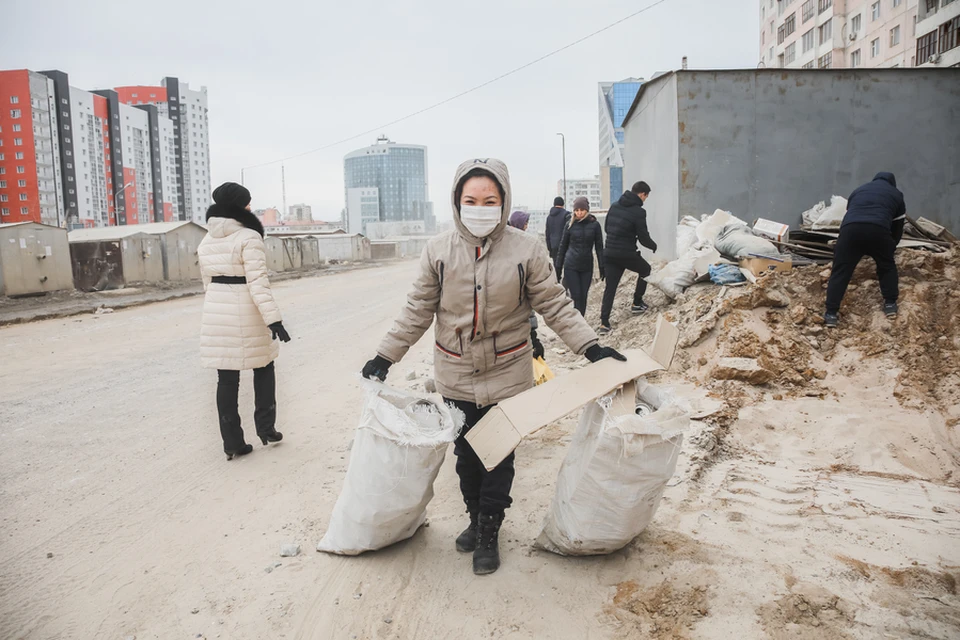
(830, 34)
(82, 158)
(31, 184)
(938, 33)
(589, 188)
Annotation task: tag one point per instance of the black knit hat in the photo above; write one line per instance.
(232, 194)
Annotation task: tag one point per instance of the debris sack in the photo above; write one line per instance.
(738, 241)
(726, 274)
(679, 274)
(822, 216)
(397, 452)
(617, 468)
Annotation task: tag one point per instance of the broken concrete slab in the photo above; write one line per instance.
(744, 369)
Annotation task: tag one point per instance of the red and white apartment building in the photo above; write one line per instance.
(76, 158)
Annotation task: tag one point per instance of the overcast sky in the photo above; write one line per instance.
(287, 76)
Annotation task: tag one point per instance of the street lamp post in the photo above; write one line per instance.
(117, 193)
(563, 142)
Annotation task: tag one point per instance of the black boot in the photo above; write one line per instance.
(242, 451)
(486, 557)
(270, 436)
(467, 541)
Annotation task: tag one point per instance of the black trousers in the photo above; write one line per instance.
(265, 401)
(856, 241)
(614, 267)
(490, 488)
(578, 284)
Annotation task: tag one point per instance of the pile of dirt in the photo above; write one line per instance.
(778, 322)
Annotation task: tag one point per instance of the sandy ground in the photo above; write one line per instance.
(810, 517)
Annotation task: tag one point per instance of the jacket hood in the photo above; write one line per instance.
(630, 199)
(498, 171)
(244, 218)
(887, 176)
(557, 211)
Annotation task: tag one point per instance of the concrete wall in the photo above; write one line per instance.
(772, 143)
(34, 258)
(651, 154)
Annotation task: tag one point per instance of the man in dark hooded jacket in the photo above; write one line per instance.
(626, 225)
(557, 221)
(872, 226)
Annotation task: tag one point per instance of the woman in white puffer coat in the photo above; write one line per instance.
(241, 320)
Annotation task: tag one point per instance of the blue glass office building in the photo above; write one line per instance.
(615, 98)
(399, 172)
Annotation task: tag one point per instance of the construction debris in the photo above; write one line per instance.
(745, 369)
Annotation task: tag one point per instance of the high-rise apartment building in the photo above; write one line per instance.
(589, 188)
(829, 34)
(32, 188)
(115, 156)
(398, 172)
(615, 100)
(938, 33)
(301, 213)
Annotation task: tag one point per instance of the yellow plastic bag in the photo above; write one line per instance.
(541, 372)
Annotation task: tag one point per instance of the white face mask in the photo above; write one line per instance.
(480, 221)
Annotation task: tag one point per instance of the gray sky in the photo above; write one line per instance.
(286, 76)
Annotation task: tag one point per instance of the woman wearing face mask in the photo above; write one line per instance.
(479, 284)
(580, 239)
(241, 321)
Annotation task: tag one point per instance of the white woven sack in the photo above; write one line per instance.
(397, 452)
(612, 480)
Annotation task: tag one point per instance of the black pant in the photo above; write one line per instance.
(578, 284)
(490, 488)
(265, 412)
(856, 241)
(614, 267)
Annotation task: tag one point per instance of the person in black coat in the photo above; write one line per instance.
(557, 220)
(626, 226)
(872, 226)
(581, 238)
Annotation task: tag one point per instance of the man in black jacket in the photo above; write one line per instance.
(872, 226)
(626, 225)
(557, 221)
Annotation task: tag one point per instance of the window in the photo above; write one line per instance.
(875, 48)
(3, 170)
(19, 155)
(790, 53)
(21, 170)
(16, 128)
(855, 59)
(1, 156)
(856, 23)
(20, 183)
(950, 34)
(875, 11)
(895, 36)
(807, 41)
(826, 32)
(24, 211)
(771, 53)
(23, 197)
(3, 184)
(824, 5)
(15, 113)
(5, 211)
(897, 3)
(14, 99)
(808, 10)
(18, 142)
(926, 46)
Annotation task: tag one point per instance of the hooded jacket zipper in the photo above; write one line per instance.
(476, 301)
(522, 282)
(440, 269)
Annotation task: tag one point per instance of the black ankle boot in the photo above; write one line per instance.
(467, 541)
(242, 451)
(486, 557)
(270, 436)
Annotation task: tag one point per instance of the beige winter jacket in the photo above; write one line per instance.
(480, 293)
(234, 333)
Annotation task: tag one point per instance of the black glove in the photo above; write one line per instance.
(596, 352)
(279, 332)
(376, 368)
(603, 274)
(538, 351)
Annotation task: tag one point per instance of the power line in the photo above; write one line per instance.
(462, 93)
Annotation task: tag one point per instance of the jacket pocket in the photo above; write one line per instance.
(508, 350)
(449, 352)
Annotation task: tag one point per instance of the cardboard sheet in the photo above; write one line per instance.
(759, 265)
(504, 426)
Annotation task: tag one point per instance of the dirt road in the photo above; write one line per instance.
(110, 460)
